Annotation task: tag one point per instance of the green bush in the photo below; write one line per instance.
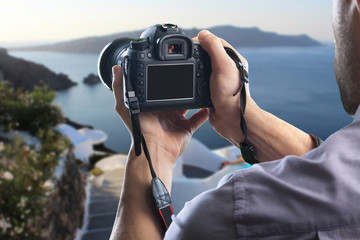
(28, 111)
(96, 171)
(24, 170)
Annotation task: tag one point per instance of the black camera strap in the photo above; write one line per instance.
(160, 194)
(247, 150)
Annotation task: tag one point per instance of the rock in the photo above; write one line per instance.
(26, 75)
(91, 79)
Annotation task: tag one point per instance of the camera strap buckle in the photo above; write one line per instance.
(244, 74)
(133, 103)
(162, 201)
(134, 107)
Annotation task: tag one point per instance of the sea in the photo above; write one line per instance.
(296, 84)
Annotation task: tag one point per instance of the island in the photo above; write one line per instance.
(91, 79)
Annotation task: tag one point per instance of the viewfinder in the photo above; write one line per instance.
(174, 49)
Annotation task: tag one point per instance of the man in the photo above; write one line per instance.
(307, 194)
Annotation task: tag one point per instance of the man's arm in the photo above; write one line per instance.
(271, 137)
(166, 134)
(136, 216)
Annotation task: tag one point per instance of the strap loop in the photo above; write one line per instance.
(247, 150)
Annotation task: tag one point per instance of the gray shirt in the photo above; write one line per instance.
(315, 196)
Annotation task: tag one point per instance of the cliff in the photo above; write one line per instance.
(236, 36)
(24, 74)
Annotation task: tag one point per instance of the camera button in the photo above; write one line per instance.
(142, 55)
(140, 91)
(140, 74)
(141, 99)
(201, 66)
(140, 66)
(149, 55)
(196, 53)
(140, 83)
(198, 75)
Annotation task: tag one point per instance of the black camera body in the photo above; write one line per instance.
(165, 68)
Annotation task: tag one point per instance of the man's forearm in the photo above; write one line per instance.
(272, 137)
(136, 216)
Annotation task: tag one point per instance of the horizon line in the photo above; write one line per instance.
(33, 43)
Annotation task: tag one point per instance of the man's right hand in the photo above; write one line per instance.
(224, 82)
(271, 137)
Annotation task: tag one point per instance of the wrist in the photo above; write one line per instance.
(162, 162)
(136, 207)
(273, 138)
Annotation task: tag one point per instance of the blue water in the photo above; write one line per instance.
(295, 84)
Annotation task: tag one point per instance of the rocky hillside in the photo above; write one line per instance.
(24, 74)
(236, 36)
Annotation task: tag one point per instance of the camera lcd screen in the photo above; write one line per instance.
(165, 82)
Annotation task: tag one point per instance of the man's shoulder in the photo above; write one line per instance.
(296, 196)
(302, 194)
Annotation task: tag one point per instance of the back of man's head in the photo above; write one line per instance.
(346, 22)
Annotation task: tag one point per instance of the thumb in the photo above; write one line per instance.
(199, 118)
(117, 87)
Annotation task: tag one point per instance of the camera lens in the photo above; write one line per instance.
(174, 49)
(110, 56)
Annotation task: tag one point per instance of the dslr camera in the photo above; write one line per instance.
(163, 69)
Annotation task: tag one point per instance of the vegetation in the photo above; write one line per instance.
(29, 111)
(96, 171)
(25, 170)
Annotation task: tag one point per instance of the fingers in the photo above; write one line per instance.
(183, 112)
(214, 47)
(117, 86)
(211, 45)
(243, 60)
(199, 118)
(117, 83)
(225, 43)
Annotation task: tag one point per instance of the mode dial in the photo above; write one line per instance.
(139, 43)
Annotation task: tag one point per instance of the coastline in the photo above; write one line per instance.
(287, 94)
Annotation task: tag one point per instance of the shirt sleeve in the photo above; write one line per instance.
(207, 216)
(292, 198)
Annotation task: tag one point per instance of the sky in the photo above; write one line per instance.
(41, 21)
